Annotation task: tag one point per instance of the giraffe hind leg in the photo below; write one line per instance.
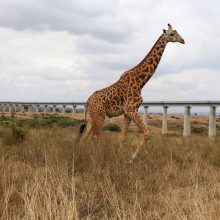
(126, 125)
(139, 122)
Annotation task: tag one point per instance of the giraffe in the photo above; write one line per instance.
(124, 96)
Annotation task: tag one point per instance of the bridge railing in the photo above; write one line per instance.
(62, 107)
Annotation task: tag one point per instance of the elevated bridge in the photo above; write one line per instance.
(63, 106)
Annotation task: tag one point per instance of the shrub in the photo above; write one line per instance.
(49, 120)
(198, 130)
(111, 127)
(67, 123)
(2, 118)
(18, 133)
(34, 122)
(174, 117)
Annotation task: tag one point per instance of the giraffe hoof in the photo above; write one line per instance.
(132, 159)
(133, 156)
(130, 162)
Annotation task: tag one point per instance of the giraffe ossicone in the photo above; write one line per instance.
(124, 96)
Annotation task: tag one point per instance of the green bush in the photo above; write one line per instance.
(198, 130)
(34, 122)
(49, 120)
(67, 123)
(3, 118)
(111, 127)
(18, 133)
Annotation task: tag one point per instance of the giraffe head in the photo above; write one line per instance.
(172, 35)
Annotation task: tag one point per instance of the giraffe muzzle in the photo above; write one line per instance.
(182, 41)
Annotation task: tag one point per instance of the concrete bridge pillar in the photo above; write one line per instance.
(49, 108)
(74, 109)
(20, 108)
(15, 108)
(145, 114)
(10, 107)
(164, 123)
(23, 109)
(54, 108)
(63, 109)
(4, 108)
(186, 125)
(29, 108)
(212, 122)
(45, 108)
(37, 108)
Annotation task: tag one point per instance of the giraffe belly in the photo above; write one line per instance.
(111, 113)
(115, 110)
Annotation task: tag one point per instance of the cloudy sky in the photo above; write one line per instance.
(63, 50)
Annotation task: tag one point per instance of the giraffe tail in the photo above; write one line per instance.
(83, 126)
(81, 130)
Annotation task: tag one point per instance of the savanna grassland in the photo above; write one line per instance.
(44, 174)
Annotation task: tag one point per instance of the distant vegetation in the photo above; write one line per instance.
(39, 120)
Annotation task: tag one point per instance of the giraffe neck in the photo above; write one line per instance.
(146, 68)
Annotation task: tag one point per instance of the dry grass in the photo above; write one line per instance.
(49, 177)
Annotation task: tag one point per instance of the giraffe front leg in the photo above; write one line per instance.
(139, 122)
(125, 127)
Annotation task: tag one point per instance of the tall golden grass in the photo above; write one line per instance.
(48, 176)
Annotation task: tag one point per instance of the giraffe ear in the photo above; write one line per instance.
(164, 31)
(170, 26)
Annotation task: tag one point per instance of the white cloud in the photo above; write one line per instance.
(67, 49)
(192, 84)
